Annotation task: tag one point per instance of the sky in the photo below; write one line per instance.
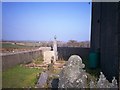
(41, 21)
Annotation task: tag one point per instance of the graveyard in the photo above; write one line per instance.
(49, 71)
(96, 66)
(24, 75)
(27, 75)
(61, 74)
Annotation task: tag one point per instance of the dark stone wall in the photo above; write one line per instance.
(95, 30)
(107, 31)
(66, 52)
(11, 60)
(109, 39)
(119, 40)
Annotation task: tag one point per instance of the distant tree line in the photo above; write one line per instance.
(70, 43)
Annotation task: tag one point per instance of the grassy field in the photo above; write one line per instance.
(19, 76)
(16, 46)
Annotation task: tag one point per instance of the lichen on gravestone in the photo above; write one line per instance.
(104, 83)
(42, 80)
(114, 83)
(73, 75)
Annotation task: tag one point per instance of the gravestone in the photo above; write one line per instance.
(55, 49)
(103, 82)
(47, 55)
(114, 83)
(92, 84)
(73, 75)
(42, 80)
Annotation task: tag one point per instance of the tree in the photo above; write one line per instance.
(72, 43)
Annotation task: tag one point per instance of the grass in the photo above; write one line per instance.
(56, 71)
(38, 60)
(19, 76)
(10, 45)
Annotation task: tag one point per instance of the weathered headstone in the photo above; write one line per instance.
(92, 84)
(103, 82)
(47, 55)
(42, 80)
(73, 75)
(114, 83)
(55, 49)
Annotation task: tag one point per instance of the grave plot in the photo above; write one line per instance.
(74, 76)
(49, 77)
(66, 74)
(50, 71)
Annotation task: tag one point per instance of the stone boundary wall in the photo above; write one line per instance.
(10, 60)
(66, 52)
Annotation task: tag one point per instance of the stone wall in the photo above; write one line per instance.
(109, 40)
(11, 60)
(66, 52)
(119, 41)
(95, 28)
(104, 36)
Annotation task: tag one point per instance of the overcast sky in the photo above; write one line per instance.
(42, 20)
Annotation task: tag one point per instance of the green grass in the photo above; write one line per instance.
(19, 76)
(15, 46)
(38, 60)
